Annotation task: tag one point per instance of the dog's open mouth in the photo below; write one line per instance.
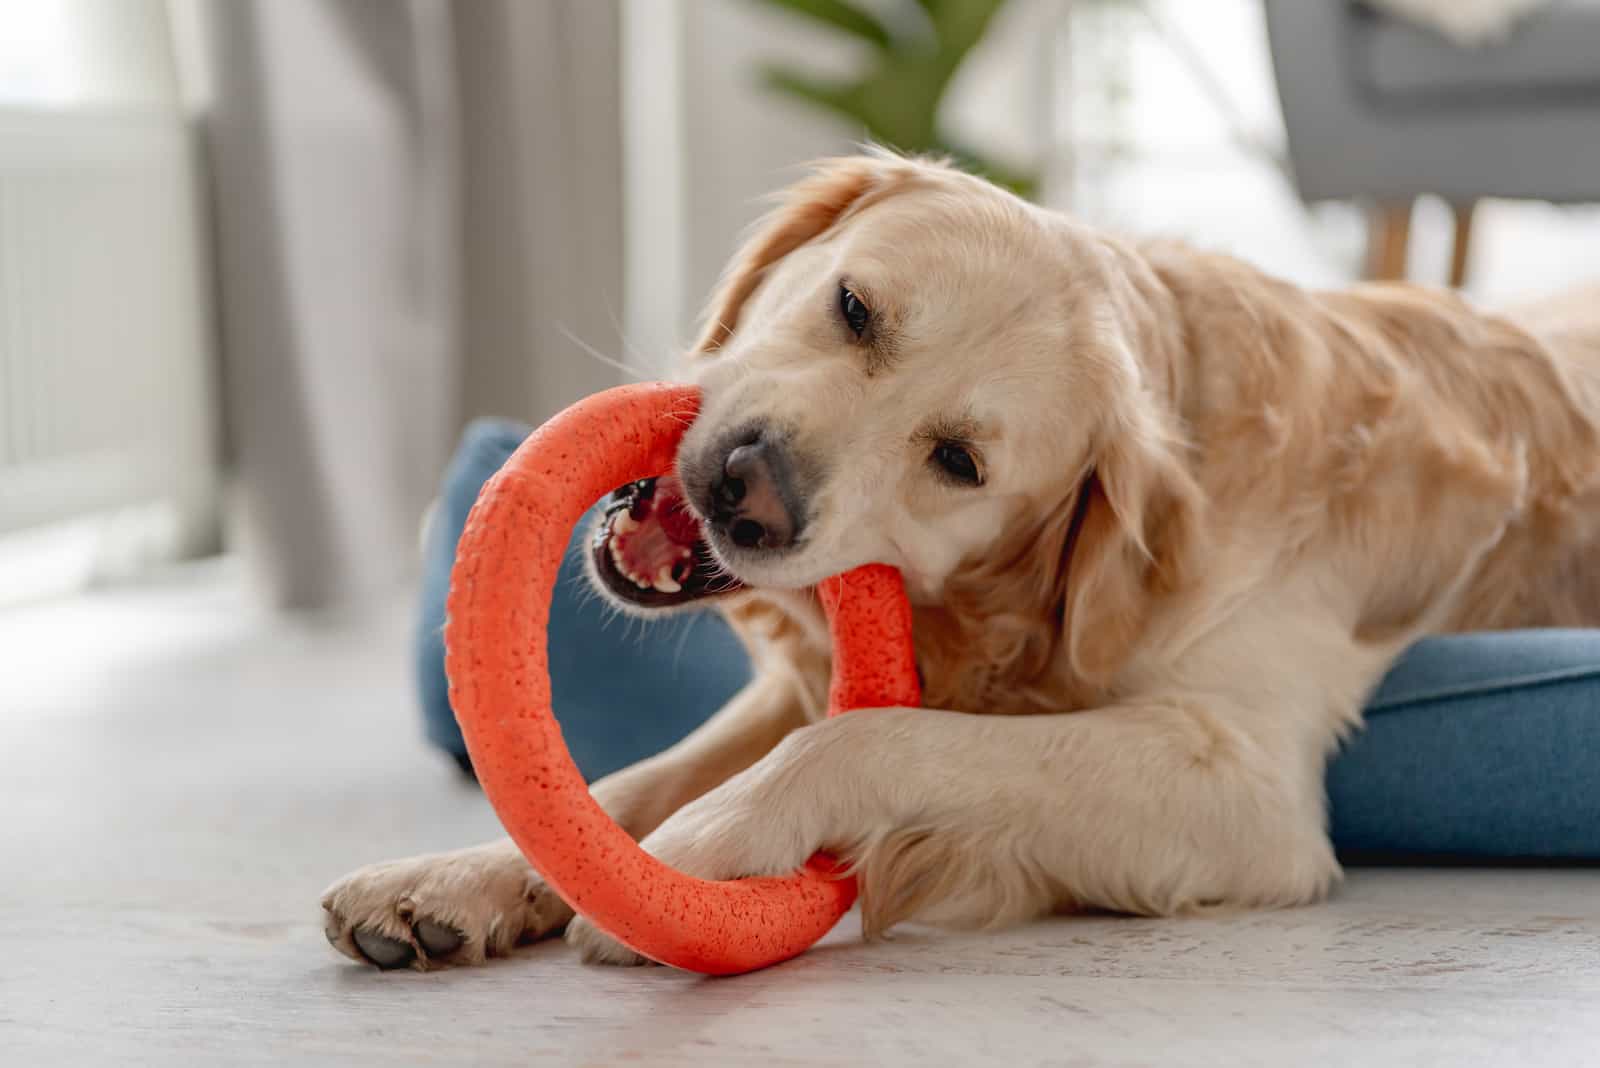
(647, 549)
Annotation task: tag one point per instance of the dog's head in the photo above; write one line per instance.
(908, 365)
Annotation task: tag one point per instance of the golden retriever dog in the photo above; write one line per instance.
(1165, 522)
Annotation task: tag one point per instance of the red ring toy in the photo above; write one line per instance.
(496, 660)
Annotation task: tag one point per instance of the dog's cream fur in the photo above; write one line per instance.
(1215, 508)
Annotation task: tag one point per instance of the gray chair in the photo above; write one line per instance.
(1382, 111)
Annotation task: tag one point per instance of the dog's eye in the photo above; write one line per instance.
(954, 460)
(857, 316)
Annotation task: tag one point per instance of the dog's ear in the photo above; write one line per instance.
(805, 211)
(1135, 538)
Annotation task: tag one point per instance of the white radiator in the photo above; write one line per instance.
(106, 393)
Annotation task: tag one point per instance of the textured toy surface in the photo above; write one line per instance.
(499, 607)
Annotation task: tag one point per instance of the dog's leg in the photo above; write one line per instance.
(460, 907)
(1154, 807)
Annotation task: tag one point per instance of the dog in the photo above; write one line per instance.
(1165, 521)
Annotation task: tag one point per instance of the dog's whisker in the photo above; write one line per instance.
(589, 350)
(632, 350)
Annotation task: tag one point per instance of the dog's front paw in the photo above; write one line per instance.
(594, 946)
(736, 830)
(444, 909)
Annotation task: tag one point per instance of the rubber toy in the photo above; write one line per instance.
(496, 660)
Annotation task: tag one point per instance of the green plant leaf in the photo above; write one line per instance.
(896, 101)
(959, 25)
(841, 15)
(838, 97)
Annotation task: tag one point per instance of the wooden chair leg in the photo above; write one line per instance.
(1461, 250)
(1388, 238)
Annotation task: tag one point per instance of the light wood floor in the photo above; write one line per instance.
(179, 779)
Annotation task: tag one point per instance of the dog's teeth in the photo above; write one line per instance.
(623, 569)
(624, 524)
(664, 581)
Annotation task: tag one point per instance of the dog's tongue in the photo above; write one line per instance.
(672, 512)
(653, 540)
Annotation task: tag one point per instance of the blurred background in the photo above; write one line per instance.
(261, 261)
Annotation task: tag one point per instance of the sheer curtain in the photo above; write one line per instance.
(412, 200)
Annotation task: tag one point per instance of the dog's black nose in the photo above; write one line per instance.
(751, 496)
